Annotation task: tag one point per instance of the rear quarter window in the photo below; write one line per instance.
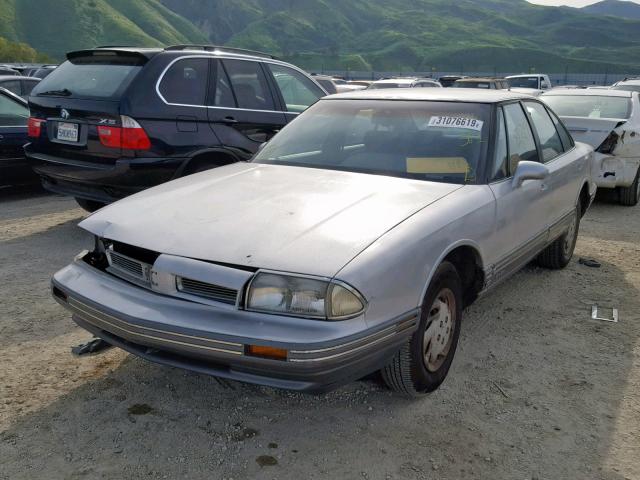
(185, 82)
(101, 77)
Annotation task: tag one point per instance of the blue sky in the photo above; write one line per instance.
(572, 3)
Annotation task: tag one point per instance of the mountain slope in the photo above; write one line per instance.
(419, 34)
(384, 35)
(57, 26)
(617, 8)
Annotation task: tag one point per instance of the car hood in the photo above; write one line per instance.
(592, 131)
(287, 218)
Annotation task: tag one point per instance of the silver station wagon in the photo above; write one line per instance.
(351, 243)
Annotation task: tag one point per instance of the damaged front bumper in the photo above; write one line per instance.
(321, 355)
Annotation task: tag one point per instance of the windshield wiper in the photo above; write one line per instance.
(65, 92)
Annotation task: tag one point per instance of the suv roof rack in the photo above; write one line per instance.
(211, 48)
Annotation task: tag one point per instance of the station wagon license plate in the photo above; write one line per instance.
(67, 132)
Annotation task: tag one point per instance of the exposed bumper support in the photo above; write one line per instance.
(613, 171)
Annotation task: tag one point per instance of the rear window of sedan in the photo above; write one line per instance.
(589, 106)
(424, 140)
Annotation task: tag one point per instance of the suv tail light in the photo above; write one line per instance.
(130, 136)
(34, 127)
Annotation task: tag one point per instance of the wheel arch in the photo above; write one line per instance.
(213, 156)
(466, 258)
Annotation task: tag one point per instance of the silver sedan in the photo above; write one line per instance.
(351, 243)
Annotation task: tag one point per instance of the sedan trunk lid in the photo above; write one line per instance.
(592, 131)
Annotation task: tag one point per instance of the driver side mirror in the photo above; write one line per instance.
(529, 171)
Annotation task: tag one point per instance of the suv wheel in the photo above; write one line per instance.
(629, 196)
(89, 205)
(422, 363)
(559, 253)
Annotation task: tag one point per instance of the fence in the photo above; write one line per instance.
(583, 79)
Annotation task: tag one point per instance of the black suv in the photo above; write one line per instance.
(112, 121)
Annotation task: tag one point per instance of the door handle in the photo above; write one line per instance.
(544, 187)
(229, 120)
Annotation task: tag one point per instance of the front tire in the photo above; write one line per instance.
(629, 196)
(422, 363)
(558, 255)
(89, 205)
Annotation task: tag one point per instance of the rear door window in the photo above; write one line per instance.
(185, 82)
(249, 84)
(298, 92)
(550, 142)
(221, 94)
(522, 146)
(101, 76)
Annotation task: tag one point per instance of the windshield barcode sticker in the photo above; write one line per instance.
(456, 122)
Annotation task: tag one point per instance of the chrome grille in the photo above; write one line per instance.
(207, 290)
(129, 268)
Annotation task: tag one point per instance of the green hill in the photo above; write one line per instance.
(383, 35)
(57, 26)
(420, 34)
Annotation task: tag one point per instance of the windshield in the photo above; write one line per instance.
(90, 77)
(523, 82)
(591, 106)
(435, 141)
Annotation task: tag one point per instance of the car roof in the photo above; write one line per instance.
(397, 80)
(149, 52)
(479, 79)
(596, 92)
(526, 75)
(471, 95)
(18, 77)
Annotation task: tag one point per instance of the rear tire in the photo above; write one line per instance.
(629, 196)
(89, 205)
(559, 253)
(422, 363)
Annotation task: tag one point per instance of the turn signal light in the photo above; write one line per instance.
(34, 127)
(266, 352)
(130, 136)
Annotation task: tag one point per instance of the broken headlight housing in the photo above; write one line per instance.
(303, 296)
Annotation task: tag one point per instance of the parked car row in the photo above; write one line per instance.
(334, 235)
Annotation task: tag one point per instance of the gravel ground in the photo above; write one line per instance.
(537, 390)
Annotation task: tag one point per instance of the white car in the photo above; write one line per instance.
(608, 120)
(629, 84)
(532, 81)
(405, 83)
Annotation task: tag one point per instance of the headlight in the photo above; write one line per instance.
(302, 296)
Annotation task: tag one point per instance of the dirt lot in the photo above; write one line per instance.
(538, 390)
